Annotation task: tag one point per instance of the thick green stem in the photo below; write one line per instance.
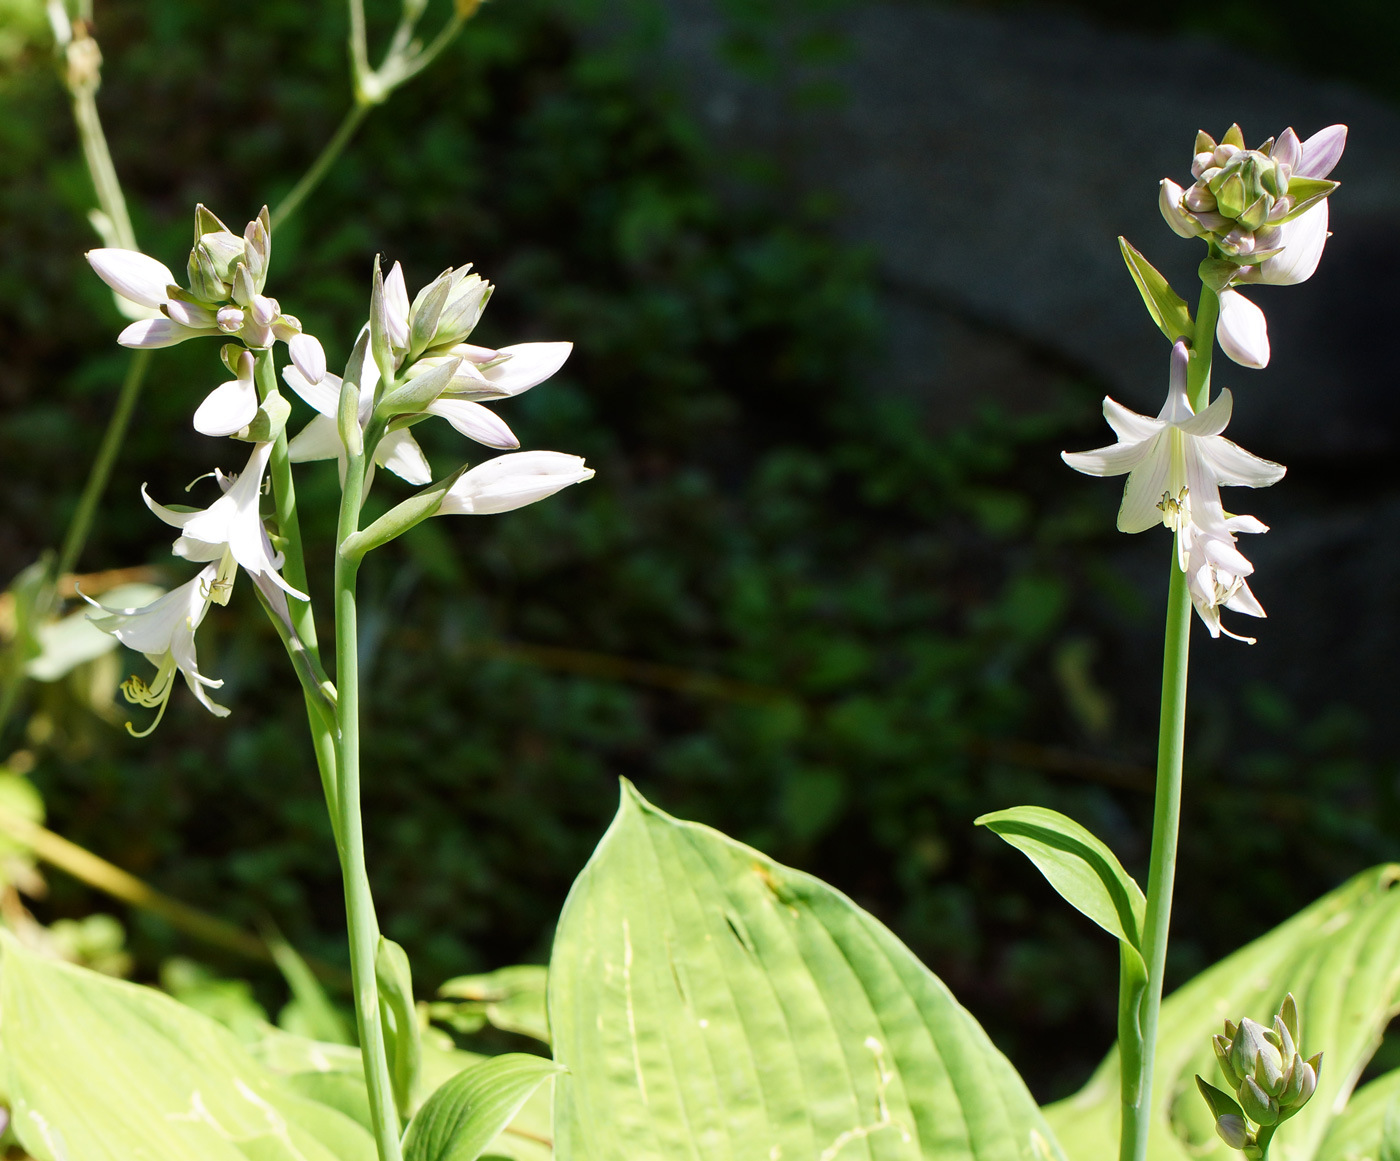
(1161, 873)
(1171, 741)
(359, 904)
(312, 177)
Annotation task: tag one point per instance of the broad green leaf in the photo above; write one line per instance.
(98, 1069)
(1340, 958)
(1078, 866)
(711, 1003)
(333, 1075)
(468, 1112)
(403, 1038)
(510, 998)
(1356, 1134)
(1167, 308)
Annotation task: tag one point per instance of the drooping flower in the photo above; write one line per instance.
(1177, 462)
(230, 531)
(1216, 570)
(231, 406)
(513, 481)
(1264, 211)
(164, 631)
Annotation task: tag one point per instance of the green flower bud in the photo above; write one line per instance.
(1257, 1103)
(1222, 1056)
(1269, 1072)
(1257, 212)
(1231, 194)
(1288, 1013)
(205, 283)
(1287, 1045)
(1233, 1130)
(1233, 136)
(1248, 1043)
(1205, 143)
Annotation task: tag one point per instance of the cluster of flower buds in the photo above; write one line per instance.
(1241, 197)
(1268, 1076)
(1263, 212)
(227, 273)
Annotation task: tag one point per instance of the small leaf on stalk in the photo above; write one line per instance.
(1167, 308)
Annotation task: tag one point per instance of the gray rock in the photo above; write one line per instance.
(991, 160)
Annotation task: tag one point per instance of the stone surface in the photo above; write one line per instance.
(991, 159)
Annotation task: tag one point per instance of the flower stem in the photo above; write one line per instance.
(1171, 741)
(299, 637)
(359, 904)
(312, 177)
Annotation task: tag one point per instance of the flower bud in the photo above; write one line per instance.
(1169, 202)
(257, 247)
(1257, 1104)
(1243, 332)
(1233, 136)
(230, 319)
(1233, 1130)
(1222, 1057)
(309, 356)
(1230, 194)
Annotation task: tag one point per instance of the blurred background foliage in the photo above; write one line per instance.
(783, 607)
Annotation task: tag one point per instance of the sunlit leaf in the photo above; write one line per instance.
(711, 1003)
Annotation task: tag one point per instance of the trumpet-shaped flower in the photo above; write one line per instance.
(1216, 570)
(230, 530)
(164, 631)
(1176, 462)
(513, 481)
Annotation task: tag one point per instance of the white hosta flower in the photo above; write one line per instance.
(230, 530)
(149, 284)
(1176, 462)
(320, 439)
(164, 632)
(232, 406)
(513, 481)
(484, 373)
(1216, 571)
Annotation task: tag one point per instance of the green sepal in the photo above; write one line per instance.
(1085, 872)
(379, 329)
(269, 422)
(400, 518)
(348, 411)
(1205, 143)
(207, 222)
(1222, 1104)
(402, 1035)
(468, 1111)
(1218, 273)
(1308, 191)
(1233, 136)
(1167, 308)
(415, 394)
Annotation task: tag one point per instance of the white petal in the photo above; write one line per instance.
(192, 315)
(399, 452)
(309, 356)
(1113, 460)
(1214, 419)
(396, 307)
(323, 395)
(1169, 202)
(1246, 524)
(1144, 489)
(513, 481)
(1226, 557)
(1129, 426)
(474, 421)
(169, 515)
(228, 408)
(159, 332)
(1177, 408)
(1302, 240)
(1244, 601)
(318, 440)
(1242, 330)
(1322, 151)
(133, 275)
(1233, 466)
(529, 364)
